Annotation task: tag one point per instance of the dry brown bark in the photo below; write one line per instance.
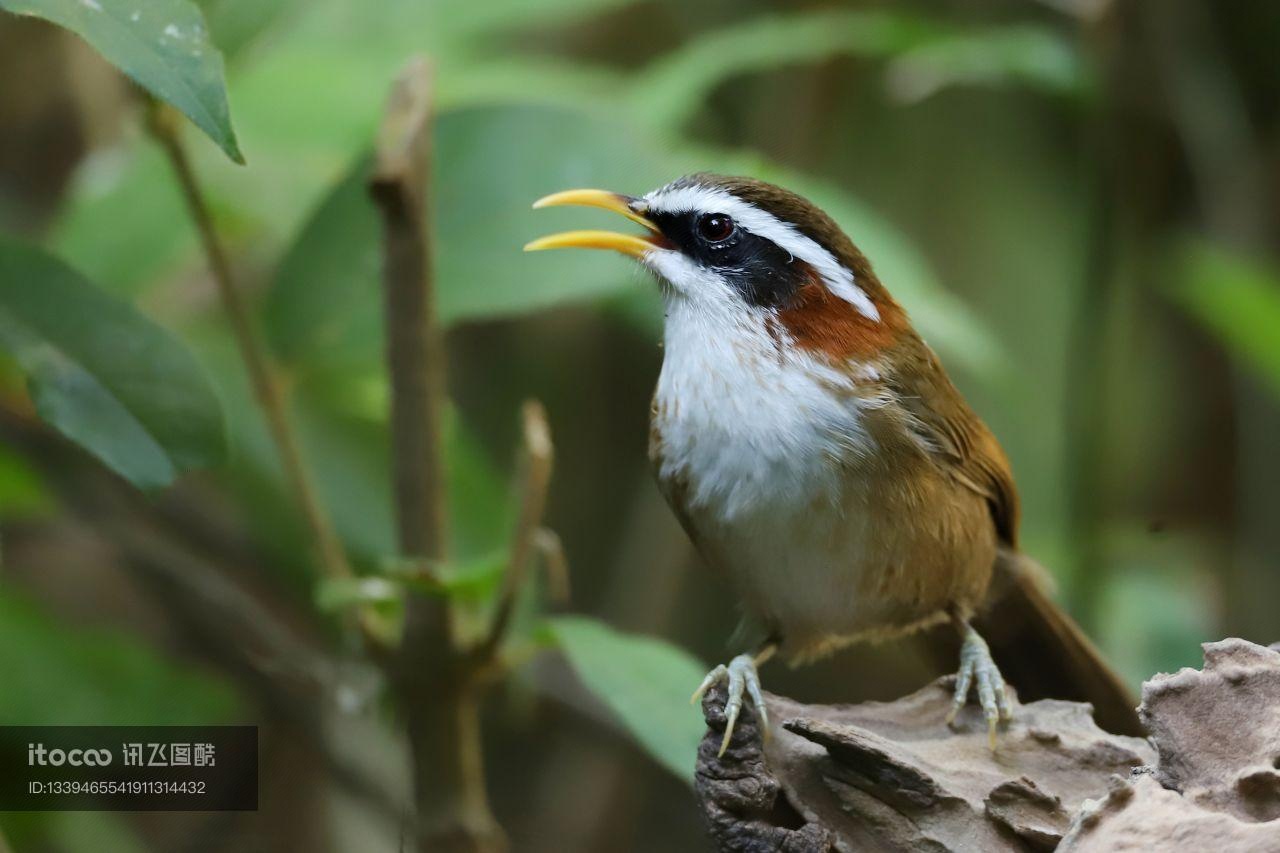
(1216, 781)
(892, 776)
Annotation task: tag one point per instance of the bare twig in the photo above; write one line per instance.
(536, 458)
(555, 565)
(164, 126)
(415, 344)
(436, 681)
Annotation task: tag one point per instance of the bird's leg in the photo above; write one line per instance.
(740, 673)
(978, 668)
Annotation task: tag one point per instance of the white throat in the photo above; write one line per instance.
(747, 420)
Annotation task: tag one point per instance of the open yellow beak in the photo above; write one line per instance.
(628, 244)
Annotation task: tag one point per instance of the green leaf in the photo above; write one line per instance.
(59, 674)
(673, 88)
(481, 512)
(476, 579)
(484, 186)
(1030, 56)
(325, 304)
(103, 374)
(466, 17)
(161, 44)
(645, 682)
(926, 57)
(1238, 300)
(126, 226)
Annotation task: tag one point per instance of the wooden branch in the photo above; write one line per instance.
(415, 343)
(892, 776)
(435, 680)
(164, 125)
(536, 459)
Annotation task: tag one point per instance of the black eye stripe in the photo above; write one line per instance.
(763, 272)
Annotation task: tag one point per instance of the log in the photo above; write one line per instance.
(892, 776)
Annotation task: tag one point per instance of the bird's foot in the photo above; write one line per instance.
(978, 668)
(741, 674)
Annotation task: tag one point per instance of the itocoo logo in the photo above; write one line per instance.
(38, 755)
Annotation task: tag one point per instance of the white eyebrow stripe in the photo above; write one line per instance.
(839, 280)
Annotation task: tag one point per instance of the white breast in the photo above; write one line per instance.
(745, 423)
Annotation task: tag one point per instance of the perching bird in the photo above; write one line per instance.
(817, 454)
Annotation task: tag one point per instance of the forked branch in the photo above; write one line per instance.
(435, 681)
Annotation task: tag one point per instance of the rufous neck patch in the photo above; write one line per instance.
(820, 321)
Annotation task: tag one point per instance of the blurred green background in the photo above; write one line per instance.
(1077, 201)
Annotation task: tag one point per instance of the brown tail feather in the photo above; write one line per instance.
(1043, 653)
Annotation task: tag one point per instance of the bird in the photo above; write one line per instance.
(818, 455)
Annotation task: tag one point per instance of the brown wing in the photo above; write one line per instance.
(961, 441)
(1039, 648)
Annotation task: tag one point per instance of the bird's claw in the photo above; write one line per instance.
(978, 669)
(741, 675)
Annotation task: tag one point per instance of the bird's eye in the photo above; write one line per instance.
(715, 227)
